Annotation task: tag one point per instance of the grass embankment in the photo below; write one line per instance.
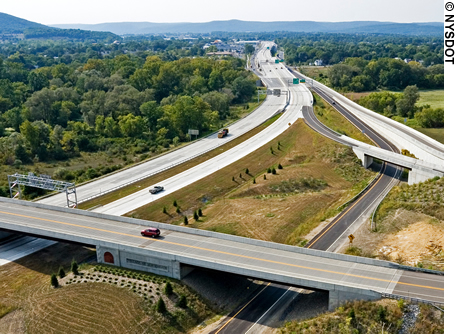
(334, 120)
(318, 175)
(318, 73)
(434, 98)
(409, 227)
(368, 317)
(426, 197)
(99, 300)
(147, 182)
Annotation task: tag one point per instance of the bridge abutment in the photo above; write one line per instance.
(417, 176)
(338, 297)
(366, 160)
(142, 262)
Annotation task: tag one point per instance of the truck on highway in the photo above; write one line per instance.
(222, 133)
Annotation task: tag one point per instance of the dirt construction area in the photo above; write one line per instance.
(419, 241)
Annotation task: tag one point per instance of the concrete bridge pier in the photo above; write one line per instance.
(338, 297)
(366, 160)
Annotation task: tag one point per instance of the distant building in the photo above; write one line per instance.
(318, 62)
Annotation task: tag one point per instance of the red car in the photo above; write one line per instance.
(152, 232)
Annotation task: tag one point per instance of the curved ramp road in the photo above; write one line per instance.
(402, 135)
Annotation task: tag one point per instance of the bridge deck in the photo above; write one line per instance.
(221, 254)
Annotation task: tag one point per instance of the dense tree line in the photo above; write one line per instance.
(72, 34)
(57, 111)
(404, 105)
(39, 53)
(358, 75)
(334, 48)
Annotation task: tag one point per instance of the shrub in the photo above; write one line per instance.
(175, 203)
(273, 171)
(233, 178)
(54, 281)
(195, 216)
(268, 171)
(279, 167)
(164, 210)
(182, 301)
(241, 176)
(178, 210)
(74, 267)
(168, 289)
(247, 171)
(186, 221)
(161, 308)
(61, 272)
(200, 213)
(253, 181)
(264, 177)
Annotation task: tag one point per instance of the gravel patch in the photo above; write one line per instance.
(409, 318)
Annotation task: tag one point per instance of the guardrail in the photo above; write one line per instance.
(361, 192)
(417, 300)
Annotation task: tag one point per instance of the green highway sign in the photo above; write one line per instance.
(302, 81)
(295, 81)
(282, 60)
(276, 61)
(268, 47)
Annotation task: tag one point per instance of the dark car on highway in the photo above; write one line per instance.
(152, 232)
(156, 189)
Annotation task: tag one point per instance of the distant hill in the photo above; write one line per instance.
(375, 27)
(14, 25)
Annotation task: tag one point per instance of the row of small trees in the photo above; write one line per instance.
(74, 268)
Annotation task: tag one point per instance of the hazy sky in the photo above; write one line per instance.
(98, 11)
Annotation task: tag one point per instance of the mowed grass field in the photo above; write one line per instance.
(28, 303)
(253, 210)
(434, 98)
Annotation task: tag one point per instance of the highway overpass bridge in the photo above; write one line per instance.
(180, 249)
(420, 170)
(402, 136)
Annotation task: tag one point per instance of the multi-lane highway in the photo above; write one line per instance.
(299, 97)
(269, 107)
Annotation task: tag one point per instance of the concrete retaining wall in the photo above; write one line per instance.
(339, 297)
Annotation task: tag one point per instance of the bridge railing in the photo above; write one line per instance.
(411, 299)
